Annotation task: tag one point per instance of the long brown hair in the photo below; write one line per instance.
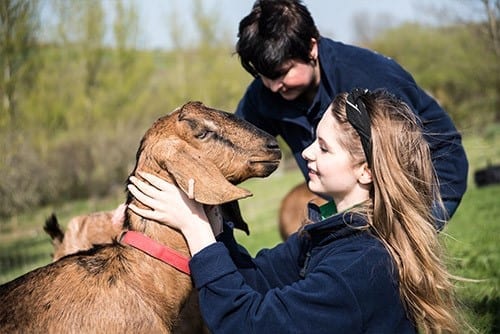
(403, 196)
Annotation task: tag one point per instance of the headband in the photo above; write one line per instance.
(358, 116)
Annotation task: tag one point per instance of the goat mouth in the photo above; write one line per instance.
(264, 162)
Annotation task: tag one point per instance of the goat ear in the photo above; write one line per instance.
(210, 186)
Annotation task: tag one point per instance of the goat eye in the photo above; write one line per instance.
(204, 134)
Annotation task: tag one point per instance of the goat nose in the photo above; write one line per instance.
(273, 145)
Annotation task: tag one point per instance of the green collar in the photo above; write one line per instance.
(327, 210)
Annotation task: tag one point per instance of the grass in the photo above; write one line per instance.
(261, 210)
(472, 240)
(472, 236)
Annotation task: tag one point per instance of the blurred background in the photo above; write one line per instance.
(81, 81)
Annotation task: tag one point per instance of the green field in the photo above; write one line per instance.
(472, 238)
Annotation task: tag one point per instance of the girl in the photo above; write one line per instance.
(373, 267)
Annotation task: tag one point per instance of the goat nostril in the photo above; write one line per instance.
(273, 145)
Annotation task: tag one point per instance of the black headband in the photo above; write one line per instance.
(360, 120)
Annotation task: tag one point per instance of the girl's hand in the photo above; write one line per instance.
(170, 206)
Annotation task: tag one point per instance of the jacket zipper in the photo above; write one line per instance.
(302, 272)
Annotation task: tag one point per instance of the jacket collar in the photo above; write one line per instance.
(335, 227)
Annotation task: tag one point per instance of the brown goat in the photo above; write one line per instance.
(82, 232)
(293, 209)
(117, 288)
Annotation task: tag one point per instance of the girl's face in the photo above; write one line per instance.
(297, 78)
(331, 168)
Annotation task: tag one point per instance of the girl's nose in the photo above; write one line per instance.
(307, 153)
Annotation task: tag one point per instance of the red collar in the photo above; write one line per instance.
(156, 250)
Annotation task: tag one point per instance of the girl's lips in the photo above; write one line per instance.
(312, 173)
(311, 170)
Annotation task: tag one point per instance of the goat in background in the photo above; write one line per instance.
(117, 288)
(293, 209)
(83, 232)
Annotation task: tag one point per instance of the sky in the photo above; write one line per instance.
(334, 18)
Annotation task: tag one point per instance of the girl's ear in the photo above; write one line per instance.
(365, 176)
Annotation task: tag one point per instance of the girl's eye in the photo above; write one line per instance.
(323, 149)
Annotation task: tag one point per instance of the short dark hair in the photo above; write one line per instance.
(275, 31)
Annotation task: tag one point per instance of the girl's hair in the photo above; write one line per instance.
(402, 199)
(274, 32)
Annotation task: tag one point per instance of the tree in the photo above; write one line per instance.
(18, 24)
(367, 26)
(481, 18)
(92, 48)
(492, 9)
(486, 29)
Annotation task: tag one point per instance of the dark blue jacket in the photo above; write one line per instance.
(331, 278)
(344, 67)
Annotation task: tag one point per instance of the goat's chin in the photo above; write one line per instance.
(263, 168)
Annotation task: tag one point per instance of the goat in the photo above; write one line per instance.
(117, 288)
(82, 232)
(293, 209)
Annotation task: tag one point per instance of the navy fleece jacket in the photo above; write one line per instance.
(344, 67)
(332, 278)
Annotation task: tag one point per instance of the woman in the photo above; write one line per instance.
(298, 72)
(373, 267)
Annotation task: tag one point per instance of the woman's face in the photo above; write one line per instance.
(297, 77)
(331, 168)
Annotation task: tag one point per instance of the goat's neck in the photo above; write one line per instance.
(171, 286)
(161, 233)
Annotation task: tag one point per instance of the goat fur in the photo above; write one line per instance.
(82, 232)
(293, 209)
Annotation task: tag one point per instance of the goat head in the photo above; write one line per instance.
(215, 148)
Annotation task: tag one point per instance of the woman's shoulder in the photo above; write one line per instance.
(338, 56)
(329, 47)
